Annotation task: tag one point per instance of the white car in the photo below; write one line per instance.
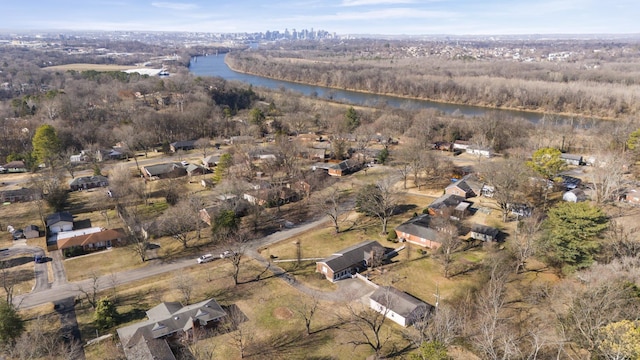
(226, 254)
(205, 258)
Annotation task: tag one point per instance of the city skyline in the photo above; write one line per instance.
(382, 17)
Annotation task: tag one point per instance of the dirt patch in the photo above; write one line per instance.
(282, 313)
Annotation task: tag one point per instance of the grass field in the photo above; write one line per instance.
(85, 67)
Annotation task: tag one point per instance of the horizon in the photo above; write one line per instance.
(393, 18)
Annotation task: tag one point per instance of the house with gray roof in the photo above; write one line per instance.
(419, 231)
(147, 340)
(88, 182)
(398, 306)
(19, 195)
(346, 262)
(164, 171)
(484, 232)
(468, 186)
(59, 222)
(449, 205)
(182, 145)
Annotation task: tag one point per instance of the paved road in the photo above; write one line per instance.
(40, 269)
(61, 290)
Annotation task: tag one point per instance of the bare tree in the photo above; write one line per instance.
(379, 200)
(621, 241)
(333, 206)
(137, 236)
(240, 332)
(449, 240)
(203, 144)
(506, 178)
(182, 221)
(8, 283)
(492, 338)
(90, 292)
(367, 325)
(606, 176)
(306, 309)
(525, 239)
(184, 284)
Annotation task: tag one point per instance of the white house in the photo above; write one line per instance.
(398, 306)
(59, 222)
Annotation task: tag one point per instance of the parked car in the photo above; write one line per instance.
(39, 259)
(205, 258)
(226, 254)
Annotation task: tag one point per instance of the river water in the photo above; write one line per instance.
(214, 65)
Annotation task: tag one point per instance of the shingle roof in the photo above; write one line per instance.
(445, 201)
(419, 226)
(350, 256)
(160, 169)
(93, 238)
(58, 217)
(486, 230)
(169, 317)
(79, 181)
(398, 301)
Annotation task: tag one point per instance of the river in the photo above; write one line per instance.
(214, 65)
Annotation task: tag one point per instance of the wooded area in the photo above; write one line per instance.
(596, 80)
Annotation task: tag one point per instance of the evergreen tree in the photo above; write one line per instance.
(46, 145)
(11, 324)
(571, 234)
(106, 314)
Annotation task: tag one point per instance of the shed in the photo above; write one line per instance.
(484, 233)
(31, 232)
(398, 306)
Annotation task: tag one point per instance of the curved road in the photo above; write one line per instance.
(20, 248)
(61, 290)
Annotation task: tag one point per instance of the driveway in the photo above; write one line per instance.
(40, 269)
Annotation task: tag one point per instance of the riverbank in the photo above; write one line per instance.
(569, 116)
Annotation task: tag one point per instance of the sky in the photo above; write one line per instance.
(383, 17)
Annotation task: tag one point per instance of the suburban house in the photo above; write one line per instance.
(418, 231)
(17, 166)
(468, 186)
(243, 139)
(340, 169)
(479, 150)
(93, 241)
(575, 195)
(346, 262)
(452, 205)
(31, 232)
(147, 340)
(211, 161)
(182, 145)
(88, 182)
(519, 209)
(398, 306)
(164, 171)
(194, 170)
(59, 222)
(484, 233)
(572, 159)
(19, 195)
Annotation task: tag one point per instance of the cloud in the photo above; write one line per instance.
(374, 2)
(175, 6)
(392, 13)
